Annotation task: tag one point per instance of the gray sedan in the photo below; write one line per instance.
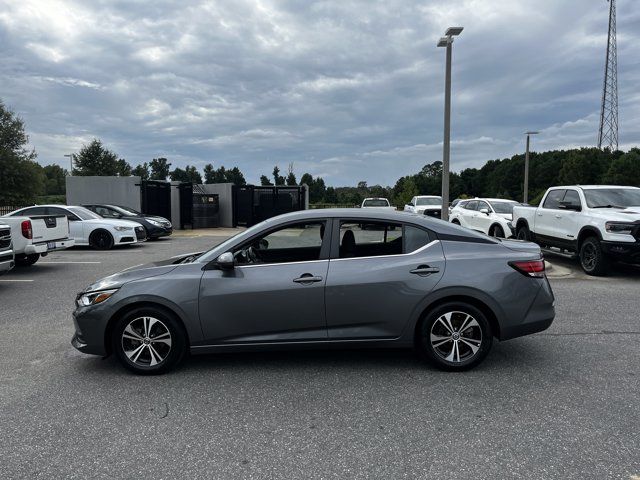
(323, 278)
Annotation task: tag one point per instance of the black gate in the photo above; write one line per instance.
(253, 204)
(206, 210)
(156, 198)
(185, 192)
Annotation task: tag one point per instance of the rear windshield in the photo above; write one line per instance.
(428, 201)
(376, 202)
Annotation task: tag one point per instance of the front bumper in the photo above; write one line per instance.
(51, 246)
(90, 327)
(157, 232)
(126, 237)
(434, 213)
(628, 252)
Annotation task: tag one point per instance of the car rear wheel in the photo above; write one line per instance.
(101, 240)
(497, 231)
(455, 336)
(148, 341)
(523, 233)
(592, 258)
(27, 260)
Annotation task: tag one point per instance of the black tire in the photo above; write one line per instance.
(523, 233)
(477, 333)
(27, 260)
(592, 259)
(101, 240)
(143, 363)
(497, 232)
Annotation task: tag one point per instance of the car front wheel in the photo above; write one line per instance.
(101, 240)
(148, 341)
(497, 232)
(455, 336)
(592, 258)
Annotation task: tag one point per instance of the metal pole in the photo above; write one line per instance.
(70, 163)
(447, 135)
(526, 173)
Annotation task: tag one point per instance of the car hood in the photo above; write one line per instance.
(113, 222)
(134, 273)
(422, 208)
(629, 214)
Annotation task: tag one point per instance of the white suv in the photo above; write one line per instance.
(487, 215)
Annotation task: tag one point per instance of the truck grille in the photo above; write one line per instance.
(433, 213)
(5, 238)
(141, 234)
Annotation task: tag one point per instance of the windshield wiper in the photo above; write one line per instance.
(608, 206)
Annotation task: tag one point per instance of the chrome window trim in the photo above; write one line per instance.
(421, 249)
(280, 263)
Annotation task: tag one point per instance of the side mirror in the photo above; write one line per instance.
(226, 261)
(485, 211)
(411, 204)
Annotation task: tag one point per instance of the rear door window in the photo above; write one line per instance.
(415, 238)
(369, 238)
(572, 197)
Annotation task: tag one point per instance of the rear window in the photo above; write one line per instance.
(375, 203)
(428, 201)
(415, 238)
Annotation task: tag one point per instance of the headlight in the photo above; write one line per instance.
(93, 298)
(623, 228)
(155, 223)
(122, 229)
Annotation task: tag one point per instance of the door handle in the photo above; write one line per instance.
(539, 214)
(307, 279)
(424, 270)
(558, 216)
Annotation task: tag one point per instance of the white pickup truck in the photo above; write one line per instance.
(36, 236)
(377, 203)
(6, 250)
(598, 223)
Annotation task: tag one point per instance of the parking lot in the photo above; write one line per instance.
(562, 403)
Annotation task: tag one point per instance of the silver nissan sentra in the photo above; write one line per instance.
(320, 278)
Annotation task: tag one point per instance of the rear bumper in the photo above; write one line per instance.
(51, 246)
(538, 318)
(622, 251)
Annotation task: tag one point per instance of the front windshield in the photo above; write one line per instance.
(503, 207)
(84, 213)
(612, 197)
(376, 203)
(428, 201)
(127, 212)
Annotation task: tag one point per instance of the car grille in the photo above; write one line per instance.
(5, 238)
(141, 234)
(433, 213)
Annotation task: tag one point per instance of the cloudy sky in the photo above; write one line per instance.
(349, 90)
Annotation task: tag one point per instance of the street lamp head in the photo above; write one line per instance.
(453, 31)
(531, 133)
(444, 41)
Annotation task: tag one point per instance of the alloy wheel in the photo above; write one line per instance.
(146, 341)
(456, 336)
(589, 256)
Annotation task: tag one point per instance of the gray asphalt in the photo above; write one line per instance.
(560, 404)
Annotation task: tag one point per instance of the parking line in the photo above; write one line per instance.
(14, 280)
(91, 263)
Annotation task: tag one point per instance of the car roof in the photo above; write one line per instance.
(428, 196)
(593, 187)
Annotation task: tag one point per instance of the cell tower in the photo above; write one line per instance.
(608, 133)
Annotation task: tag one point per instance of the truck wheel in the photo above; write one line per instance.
(523, 233)
(592, 258)
(101, 240)
(27, 260)
(497, 232)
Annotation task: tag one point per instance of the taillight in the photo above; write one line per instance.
(530, 268)
(27, 231)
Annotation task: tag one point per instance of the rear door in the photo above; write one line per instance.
(482, 221)
(547, 216)
(467, 212)
(378, 276)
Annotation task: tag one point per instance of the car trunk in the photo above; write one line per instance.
(521, 246)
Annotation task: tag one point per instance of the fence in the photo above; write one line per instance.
(332, 205)
(4, 209)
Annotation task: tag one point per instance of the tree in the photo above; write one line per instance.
(221, 175)
(331, 196)
(264, 180)
(235, 176)
(160, 168)
(55, 180)
(141, 171)
(291, 177)
(306, 178)
(21, 178)
(625, 170)
(189, 174)
(95, 159)
(277, 178)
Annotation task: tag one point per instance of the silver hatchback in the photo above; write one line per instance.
(320, 278)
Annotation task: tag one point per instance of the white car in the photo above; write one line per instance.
(88, 228)
(492, 216)
(598, 223)
(377, 203)
(430, 205)
(6, 250)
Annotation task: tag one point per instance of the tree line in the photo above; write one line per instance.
(24, 181)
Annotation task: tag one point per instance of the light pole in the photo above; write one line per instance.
(70, 155)
(526, 168)
(447, 41)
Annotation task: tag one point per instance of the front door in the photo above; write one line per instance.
(379, 278)
(274, 293)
